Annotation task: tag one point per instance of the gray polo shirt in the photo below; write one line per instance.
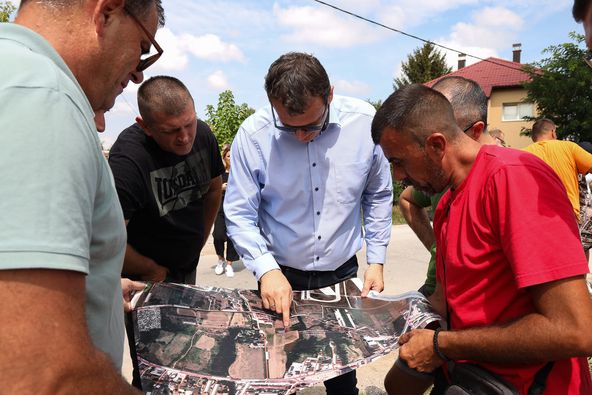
(59, 209)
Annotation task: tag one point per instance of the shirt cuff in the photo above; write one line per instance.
(376, 254)
(262, 265)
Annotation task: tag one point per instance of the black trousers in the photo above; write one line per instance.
(220, 237)
(304, 280)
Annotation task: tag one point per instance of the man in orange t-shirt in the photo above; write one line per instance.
(565, 157)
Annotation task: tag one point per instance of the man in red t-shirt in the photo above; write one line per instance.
(509, 265)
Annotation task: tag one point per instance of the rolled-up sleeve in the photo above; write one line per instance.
(241, 205)
(377, 205)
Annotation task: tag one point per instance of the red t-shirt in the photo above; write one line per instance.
(508, 226)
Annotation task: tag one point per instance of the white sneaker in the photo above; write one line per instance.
(219, 267)
(229, 271)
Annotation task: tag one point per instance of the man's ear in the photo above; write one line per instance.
(143, 125)
(103, 13)
(477, 130)
(435, 145)
(330, 97)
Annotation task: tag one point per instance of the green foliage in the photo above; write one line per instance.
(561, 87)
(376, 103)
(6, 9)
(398, 218)
(423, 65)
(226, 118)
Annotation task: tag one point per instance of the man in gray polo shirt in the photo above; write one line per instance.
(62, 236)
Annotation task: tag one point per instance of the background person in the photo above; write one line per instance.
(304, 168)
(499, 136)
(219, 234)
(566, 158)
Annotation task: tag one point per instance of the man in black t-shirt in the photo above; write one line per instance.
(167, 169)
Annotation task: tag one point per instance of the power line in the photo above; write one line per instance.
(414, 36)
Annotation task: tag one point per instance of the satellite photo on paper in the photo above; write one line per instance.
(208, 340)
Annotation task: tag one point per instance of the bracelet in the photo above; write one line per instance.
(437, 349)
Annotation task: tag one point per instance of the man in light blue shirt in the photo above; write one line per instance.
(305, 172)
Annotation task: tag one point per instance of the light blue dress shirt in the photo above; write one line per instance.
(301, 204)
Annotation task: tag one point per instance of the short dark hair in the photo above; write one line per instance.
(294, 78)
(580, 9)
(468, 100)
(139, 8)
(417, 110)
(164, 94)
(541, 127)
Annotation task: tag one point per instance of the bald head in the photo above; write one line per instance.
(417, 110)
(162, 94)
(139, 8)
(468, 100)
(543, 129)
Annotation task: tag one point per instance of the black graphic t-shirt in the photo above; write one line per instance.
(162, 195)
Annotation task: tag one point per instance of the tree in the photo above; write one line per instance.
(423, 65)
(6, 9)
(561, 87)
(226, 118)
(376, 104)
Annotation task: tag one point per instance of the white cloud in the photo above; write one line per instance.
(491, 30)
(211, 47)
(405, 13)
(177, 49)
(123, 106)
(174, 56)
(324, 27)
(353, 88)
(218, 81)
(498, 17)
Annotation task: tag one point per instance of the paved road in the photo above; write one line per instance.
(405, 270)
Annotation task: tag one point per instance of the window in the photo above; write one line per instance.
(517, 111)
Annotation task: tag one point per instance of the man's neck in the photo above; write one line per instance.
(462, 157)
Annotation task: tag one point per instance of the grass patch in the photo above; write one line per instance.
(398, 218)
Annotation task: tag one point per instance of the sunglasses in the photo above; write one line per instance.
(306, 128)
(146, 60)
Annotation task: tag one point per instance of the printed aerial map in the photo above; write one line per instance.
(208, 340)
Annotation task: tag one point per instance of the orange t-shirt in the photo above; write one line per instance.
(568, 160)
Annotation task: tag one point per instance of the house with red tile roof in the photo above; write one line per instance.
(501, 80)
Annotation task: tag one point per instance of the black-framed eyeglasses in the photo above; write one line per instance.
(470, 126)
(146, 60)
(306, 128)
(588, 58)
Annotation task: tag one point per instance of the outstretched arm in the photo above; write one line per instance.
(558, 329)
(377, 209)
(46, 346)
(417, 218)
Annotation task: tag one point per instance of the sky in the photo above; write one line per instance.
(214, 45)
